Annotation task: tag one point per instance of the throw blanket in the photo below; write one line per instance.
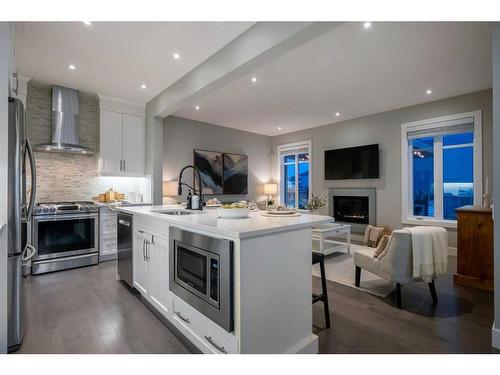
(430, 252)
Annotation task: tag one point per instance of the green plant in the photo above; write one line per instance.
(315, 203)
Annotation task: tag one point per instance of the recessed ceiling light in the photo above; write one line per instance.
(428, 91)
(337, 114)
(254, 79)
(87, 23)
(143, 86)
(177, 56)
(197, 107)
(367, 25)
(279, 127)
(71, 67)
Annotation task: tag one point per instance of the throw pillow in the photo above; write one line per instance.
(381, 246)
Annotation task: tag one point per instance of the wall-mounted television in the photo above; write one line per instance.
(352, 163)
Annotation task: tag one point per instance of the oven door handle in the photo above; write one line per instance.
(61, 217)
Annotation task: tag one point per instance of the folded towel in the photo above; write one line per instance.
(430, 252)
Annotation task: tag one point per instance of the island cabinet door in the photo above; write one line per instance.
(141, 253)
(159, 293)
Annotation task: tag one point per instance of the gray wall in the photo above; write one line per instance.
(385, 129)
(496, 190)
(181, 136)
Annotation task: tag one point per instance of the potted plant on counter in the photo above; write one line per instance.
(315, 203)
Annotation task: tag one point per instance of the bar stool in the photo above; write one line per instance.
(320, 258)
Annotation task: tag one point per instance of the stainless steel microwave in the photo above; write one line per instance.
(201, 273)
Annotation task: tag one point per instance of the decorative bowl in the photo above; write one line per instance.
(232, 213)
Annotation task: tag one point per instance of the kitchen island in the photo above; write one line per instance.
(270, 285)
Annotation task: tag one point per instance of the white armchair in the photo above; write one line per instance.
(394, 263)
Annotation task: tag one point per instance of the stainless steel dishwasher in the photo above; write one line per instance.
(125, 240)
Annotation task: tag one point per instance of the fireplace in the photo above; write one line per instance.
(351, 209)
(354, 206)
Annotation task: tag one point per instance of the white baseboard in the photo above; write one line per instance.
(495, 337)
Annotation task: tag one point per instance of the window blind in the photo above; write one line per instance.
(465, 125)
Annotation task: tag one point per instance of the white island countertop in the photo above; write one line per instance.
(207, 220)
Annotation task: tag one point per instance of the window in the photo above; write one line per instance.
(441, 168)
(294, 174)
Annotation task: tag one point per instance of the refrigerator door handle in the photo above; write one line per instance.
(26, 258)
(31, 156)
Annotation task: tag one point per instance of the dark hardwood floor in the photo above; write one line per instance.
(362, 323)
(87, 310)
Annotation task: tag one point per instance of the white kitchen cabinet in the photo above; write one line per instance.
(111, 142)
(133, 144)
(122, 144)
(201, 331)
(141, 245)
(159, 292)
(151, 268)
(107, 234)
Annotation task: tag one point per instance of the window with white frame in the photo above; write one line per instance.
(441, 167)
(294, 161)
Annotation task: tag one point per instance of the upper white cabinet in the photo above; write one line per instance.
(122, 137)
(133, 144)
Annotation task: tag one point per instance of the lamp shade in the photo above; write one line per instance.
(270, 189)
(170, 188)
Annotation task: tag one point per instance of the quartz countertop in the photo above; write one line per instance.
(207, 220)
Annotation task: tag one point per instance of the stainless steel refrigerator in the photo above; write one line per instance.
(19, 210)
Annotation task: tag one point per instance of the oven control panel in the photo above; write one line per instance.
(64, 208)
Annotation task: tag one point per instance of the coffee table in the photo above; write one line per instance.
(323, 235)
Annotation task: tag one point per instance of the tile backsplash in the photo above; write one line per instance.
(62, 176)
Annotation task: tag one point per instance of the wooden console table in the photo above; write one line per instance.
(474, 247)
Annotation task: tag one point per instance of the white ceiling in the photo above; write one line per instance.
(356, 72)
(115, 58)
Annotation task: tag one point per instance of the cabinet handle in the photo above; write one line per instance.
(144, 250)
(123, 164)
(178, 313)
(16, 90)
(219, 348)
(147, 250)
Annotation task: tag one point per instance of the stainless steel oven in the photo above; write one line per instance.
(67, 236)
(201, 273)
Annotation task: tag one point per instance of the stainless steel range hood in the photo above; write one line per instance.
(65, 129)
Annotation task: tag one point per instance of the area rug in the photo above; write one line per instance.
(339, 268)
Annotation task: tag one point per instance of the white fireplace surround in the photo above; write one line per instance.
(371, 193)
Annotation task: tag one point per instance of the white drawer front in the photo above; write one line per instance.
(205, 334)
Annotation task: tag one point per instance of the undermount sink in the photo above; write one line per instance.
(177, 212)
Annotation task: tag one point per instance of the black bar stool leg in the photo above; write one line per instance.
(325, 294)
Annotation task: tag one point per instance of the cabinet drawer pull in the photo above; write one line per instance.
(219, 348)
(178, 313)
